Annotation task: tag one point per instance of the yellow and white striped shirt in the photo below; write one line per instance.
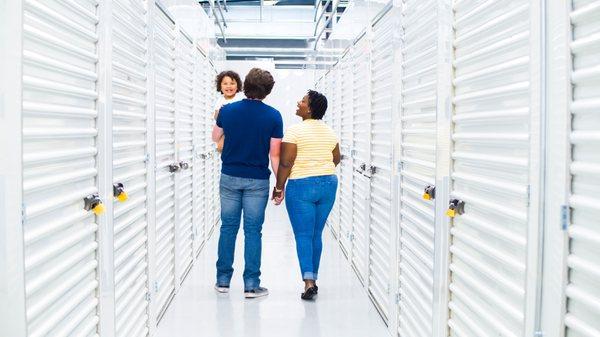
(315, 142)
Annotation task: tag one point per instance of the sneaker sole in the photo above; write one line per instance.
(222, 290)
(251, 295)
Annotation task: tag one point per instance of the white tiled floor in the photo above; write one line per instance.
(341, 309)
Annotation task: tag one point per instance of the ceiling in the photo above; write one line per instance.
(291, 32)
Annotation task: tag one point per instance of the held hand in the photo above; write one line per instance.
(277, 196)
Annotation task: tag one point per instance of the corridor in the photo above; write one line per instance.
(341, 309)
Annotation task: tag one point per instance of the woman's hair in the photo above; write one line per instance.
(231, 74)
(317, 102)
(258, 83)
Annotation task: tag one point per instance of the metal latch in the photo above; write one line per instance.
(456, 207)
(429, 193)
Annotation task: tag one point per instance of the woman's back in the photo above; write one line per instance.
(315, 142)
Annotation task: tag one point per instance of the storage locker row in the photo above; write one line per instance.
(119, 172)
(446, 207)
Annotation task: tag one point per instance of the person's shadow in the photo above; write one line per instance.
(310, 325)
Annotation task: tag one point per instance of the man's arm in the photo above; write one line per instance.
(217, 133)
(274, 152)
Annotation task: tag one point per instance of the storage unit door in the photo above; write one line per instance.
(380, 234)
(583, 260)
(491, 167)
(417, 171)
(184, 75)
(130, 184)
(361, 157)
(346, 166)
(164, 62)
(209, 147)
(200, 128)
(334, 216)
(60, 167)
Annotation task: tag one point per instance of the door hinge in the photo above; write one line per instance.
(148, 297)
(538, 333)
(565, 215)
(398, 298)
(155, 286)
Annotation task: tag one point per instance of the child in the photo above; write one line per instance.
(228, 84)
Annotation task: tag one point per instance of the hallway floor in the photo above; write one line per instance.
(341, 309)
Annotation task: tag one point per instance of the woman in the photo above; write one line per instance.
(309, 154)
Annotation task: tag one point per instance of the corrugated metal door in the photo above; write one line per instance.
(361, 157)
(334, 111)
(491, 169)
(164, 62)
(60, 167)
(209, 154)
(380, 171)
(583, 260)
(130, 171)
(346, 165)
(417, 171)
(200, 129)
(185, 135)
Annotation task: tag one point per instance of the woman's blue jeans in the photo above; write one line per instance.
(309, 202)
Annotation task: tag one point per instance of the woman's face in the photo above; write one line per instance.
(303, 109)
(228, 87)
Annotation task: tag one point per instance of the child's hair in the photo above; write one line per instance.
(231, 74)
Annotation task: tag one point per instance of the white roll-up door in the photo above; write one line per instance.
(184, 93)
(492, 145)
(583, 258)
(380, 234)
(60, 167)
(164, 62)
(210, 153)
(346, 165)
(130, 170)
(361, 157)
(417, 171)
(334, 111)
(200, 130)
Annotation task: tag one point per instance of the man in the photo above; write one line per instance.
(253, 132)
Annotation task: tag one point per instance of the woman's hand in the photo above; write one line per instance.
(277, 196)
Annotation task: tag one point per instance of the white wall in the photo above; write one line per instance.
(290, 85)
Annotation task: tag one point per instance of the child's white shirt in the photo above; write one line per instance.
(222, 101)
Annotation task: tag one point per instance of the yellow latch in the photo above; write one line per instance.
(426, 196)
(123, 196)
(451, 213)
(99, 209)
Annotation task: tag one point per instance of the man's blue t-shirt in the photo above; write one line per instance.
(249, 126)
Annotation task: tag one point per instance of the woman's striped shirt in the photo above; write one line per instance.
(315, 142)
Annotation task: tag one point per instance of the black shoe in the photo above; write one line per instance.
(309, 293)
(316, 289)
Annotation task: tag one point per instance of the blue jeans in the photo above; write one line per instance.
(309, 202)
(250, 197)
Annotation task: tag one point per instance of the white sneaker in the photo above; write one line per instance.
(221, 289)
(256, 292)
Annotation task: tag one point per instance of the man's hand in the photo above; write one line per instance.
(277, 196)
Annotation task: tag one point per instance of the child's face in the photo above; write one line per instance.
(228, 87)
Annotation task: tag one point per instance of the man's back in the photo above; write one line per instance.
(248, 126)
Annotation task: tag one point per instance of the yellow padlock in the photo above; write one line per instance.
(99, 209)
(122, 197)
(451, 213)
(426, 196)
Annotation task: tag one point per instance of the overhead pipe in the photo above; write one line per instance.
(220, 26)
(221, 12)
(317, 5)
(321, 17)
(333, 11)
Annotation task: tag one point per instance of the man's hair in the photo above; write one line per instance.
(231, 74)
(258, 83)
(317, 103)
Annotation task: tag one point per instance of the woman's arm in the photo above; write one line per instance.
(337, 157)
(286, 162)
